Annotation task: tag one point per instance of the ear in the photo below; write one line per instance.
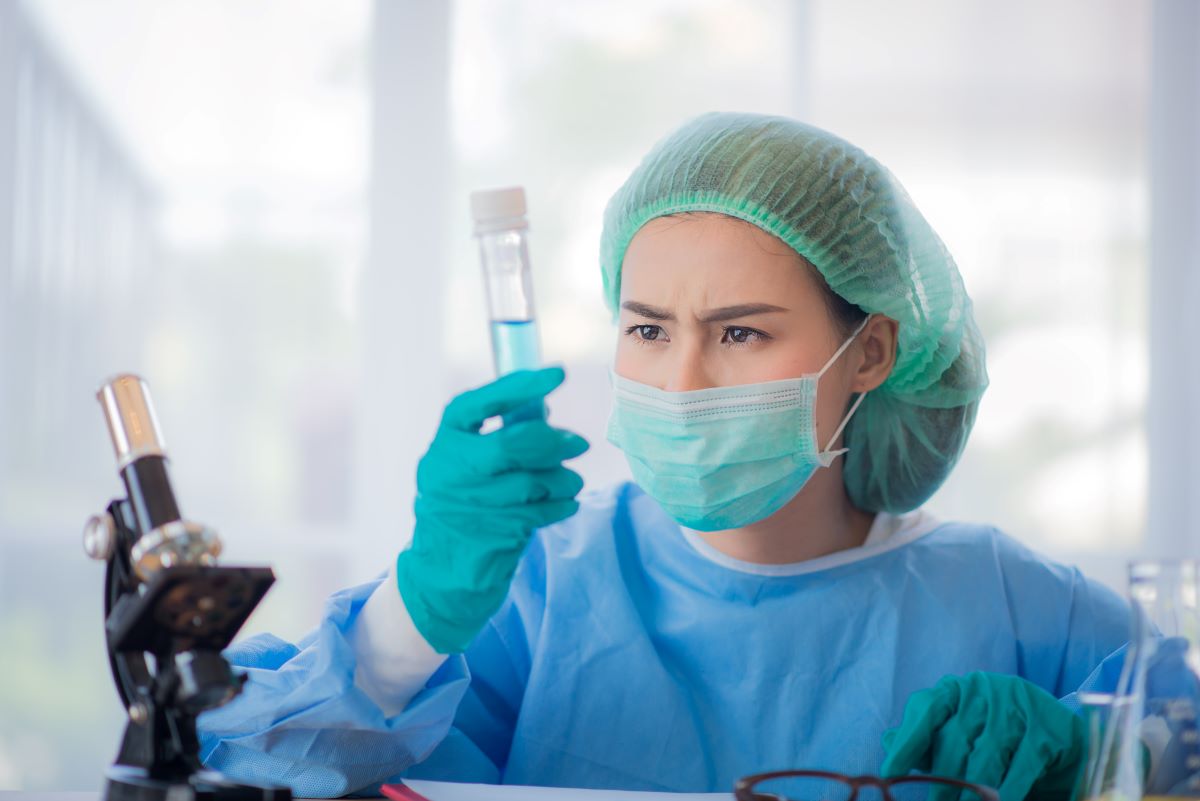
(877, 344)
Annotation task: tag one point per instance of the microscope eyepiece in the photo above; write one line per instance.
(132, 423)
(164, 538)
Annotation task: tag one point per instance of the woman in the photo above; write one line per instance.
(753, 601)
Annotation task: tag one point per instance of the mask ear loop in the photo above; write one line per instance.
(842, 427)
(827, 454)
(849, 341)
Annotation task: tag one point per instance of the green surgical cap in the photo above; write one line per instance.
(846, 214)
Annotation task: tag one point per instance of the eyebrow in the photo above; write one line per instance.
(710, 316)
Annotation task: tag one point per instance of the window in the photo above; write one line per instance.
(195, 205)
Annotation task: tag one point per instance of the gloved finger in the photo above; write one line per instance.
(515, 523)
(468, 410)
(1168, 674)
(547, 512)
(951, 748)
(535, 486)
(528, 445)
(514, 488)
(908, 747)
(987, 764)
(1027, 766)
(482, 529)
(457, 457)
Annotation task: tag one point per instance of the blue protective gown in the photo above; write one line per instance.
(623, 658)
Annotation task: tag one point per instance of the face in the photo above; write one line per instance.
(708, 300)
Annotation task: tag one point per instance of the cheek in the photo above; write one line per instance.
(769, 367)
(775, 362)
(627, 358)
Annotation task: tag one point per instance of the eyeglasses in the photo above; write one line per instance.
(819, 785)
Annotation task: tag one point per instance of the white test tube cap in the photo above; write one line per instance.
(498, 209)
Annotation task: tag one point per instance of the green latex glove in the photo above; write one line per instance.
(991, 729)
(479, 498)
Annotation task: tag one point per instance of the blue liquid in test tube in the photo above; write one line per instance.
(515, 347)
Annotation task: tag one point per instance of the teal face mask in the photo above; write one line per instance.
(723, 457)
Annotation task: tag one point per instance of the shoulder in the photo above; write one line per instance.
(1032, 582)
(1066, 623)
(979, 541)
(988, 545)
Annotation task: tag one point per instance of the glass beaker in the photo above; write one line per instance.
(1166, 594)
(1115, 763)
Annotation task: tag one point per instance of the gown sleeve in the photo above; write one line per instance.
(1100, 624)
(1065, 624)
(302, 719)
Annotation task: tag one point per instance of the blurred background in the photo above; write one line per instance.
(261, 207)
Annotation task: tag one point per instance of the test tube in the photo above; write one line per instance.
(502, 230)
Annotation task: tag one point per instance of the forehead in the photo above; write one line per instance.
(713, 259)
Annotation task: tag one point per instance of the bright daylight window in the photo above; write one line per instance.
(246, 209)
(228, 284)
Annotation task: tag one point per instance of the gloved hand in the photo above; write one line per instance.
(991, 729)
(479, 498)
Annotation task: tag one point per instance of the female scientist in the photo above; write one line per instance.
(797, 370)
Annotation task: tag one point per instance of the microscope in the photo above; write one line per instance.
(169, 610)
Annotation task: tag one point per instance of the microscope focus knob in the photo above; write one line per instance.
(99, 536)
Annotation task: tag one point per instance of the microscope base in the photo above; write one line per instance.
(127, 783)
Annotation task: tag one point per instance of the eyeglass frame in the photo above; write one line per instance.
(743, 787)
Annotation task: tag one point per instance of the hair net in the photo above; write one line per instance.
(846, 214)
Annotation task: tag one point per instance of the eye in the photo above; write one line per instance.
(737, 335)
(647, 333)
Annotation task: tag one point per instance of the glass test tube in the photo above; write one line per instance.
(502, 229)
